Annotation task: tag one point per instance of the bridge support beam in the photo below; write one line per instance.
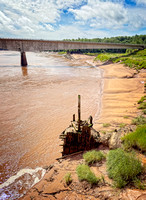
(23, 59)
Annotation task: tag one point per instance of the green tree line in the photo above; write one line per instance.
(137, 39)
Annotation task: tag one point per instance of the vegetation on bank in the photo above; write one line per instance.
(62, 52)
(137, 39)
(122, 164)
(91, 157)
(136, 139)
(142, 106)
(136, 59)
(68, 178)
(123, 167)
(105, 125)
(85, 174)
(132, 58)
(142, 99)
(139, 120)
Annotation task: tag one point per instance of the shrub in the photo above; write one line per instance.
(106, 125)
(107, 56)
(93, 156)
(139, 120)
(142, 105)
(138, 184)
(68, 178)
(136, 138)
(144, 111)
(84, 173)
(122, 167)
(122, 125)
(142, 99)
(136, 60)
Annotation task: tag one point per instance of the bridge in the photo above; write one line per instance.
(24, 45)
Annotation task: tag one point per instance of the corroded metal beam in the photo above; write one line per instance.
(45, 45)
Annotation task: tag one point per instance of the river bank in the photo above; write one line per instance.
(122, 89)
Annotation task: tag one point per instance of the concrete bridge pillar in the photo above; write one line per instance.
(23, 59)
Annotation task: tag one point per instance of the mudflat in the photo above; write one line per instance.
(122, 88)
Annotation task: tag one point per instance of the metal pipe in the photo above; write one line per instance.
(79, 112)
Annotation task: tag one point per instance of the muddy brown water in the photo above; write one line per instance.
(36, 105)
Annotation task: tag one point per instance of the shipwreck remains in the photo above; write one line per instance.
(80, 135)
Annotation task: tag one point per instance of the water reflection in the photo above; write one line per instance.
(24, 71)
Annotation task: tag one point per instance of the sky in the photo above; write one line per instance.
(71, 19)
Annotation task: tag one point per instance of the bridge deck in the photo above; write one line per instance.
(45, 45)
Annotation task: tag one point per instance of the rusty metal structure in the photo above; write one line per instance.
(80, 135)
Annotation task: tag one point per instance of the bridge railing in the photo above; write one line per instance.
(44, 45)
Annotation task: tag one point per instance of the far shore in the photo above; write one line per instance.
(123, 87)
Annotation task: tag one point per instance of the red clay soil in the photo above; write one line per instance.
(123, 87)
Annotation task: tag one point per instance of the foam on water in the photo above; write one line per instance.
(17, 185)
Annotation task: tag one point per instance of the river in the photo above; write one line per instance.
(37, 104)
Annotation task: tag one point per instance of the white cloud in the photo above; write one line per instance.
(64, 4)
(110, 14)
(4, 19)
(101, 14)
(141, 2)
(40, 18)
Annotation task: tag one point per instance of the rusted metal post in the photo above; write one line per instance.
(23, 59)
(73, 117)
(79, 112)
(91, 119)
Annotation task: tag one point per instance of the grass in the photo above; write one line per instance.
(136, 59)
(68, 178)
(122, 167)
(84, 173)
(142, 99)
(104, 132)
(126, 117)
(106, 125)
(144, 111)
(62, 52)
(122, 125)
(142, 105)
(140, 120)
(136, 139)
(138, 184)
(91, 54)
(93, 156)
(107, 56)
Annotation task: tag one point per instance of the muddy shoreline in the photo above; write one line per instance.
(122, 88)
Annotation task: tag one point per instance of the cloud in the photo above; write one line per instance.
(109, 14)
(58, 19)
(141, 2)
